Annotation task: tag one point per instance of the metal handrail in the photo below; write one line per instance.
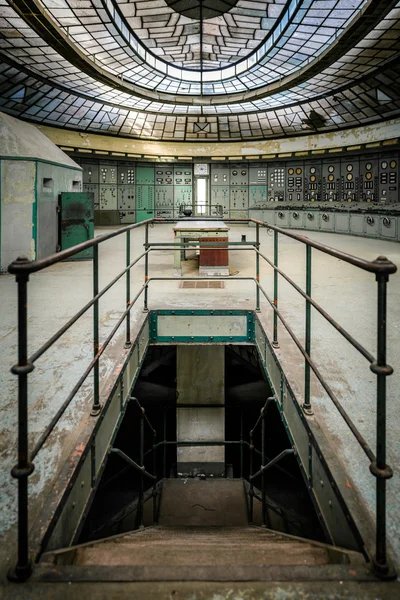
(22, 268)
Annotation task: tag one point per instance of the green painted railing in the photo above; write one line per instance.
(382, 268)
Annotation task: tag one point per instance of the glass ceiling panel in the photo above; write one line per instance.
(284, 46)
(37, 81)
(368, 102)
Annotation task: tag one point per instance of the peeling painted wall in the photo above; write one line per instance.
(52, 181)
(349, 137)
(17, 210)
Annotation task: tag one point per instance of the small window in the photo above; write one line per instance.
(47, 186)
(76, 186)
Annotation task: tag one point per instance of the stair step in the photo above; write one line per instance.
(193, 502)
(201, 547)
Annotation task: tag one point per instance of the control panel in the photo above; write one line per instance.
(164, 175)
(331, 180)
(258, 174)
(239, 198)
(350, 180)
(183, 198)
(92, 188)
(90, 173)
(312, 181)
(108, 197)
(126, 197)
(388, 180)
(219, 174)
(239, 175)
(220, 200)
(183, 175)
(294, 182)
(369, 178)
(144, 175)
(108, 173)
(126, 174)
(276, 176)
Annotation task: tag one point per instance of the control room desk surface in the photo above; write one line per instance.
(212, 262)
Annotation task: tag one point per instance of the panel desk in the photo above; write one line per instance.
(212, 262)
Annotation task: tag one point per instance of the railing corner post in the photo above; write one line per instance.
(307, 408)
(257, 267)
(24, 468)
(128, 342)
(275, 343)
(146, 268)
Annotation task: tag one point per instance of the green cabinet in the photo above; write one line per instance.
(76, 225)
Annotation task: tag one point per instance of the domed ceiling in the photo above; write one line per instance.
(200, 69)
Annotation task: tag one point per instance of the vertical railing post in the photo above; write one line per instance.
(257, 268)
(155, 481)
(146, 267)
(165, 444)
(275, 342)
(128, 342)
(241, 443)
(307, 408)
(139, 523)
(263, 506)
(24, 467)
(380, 469)
(251, 491)
(96, 408)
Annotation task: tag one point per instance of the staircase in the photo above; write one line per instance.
(202, 535)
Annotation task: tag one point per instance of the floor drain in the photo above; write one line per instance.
(215, 285)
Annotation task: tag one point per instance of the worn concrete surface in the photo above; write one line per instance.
(347, 293)
(211, 503)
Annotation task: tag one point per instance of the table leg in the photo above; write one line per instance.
(177, 256)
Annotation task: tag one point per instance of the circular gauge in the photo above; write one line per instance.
(349, 176)
(313, 170)
(349, 167)
(298, 171)
(244, 172)
(234, 172)
(393, 164)
(368, 175)
(331, 168)
(313, 178)
(291, 171)
(384, 164)
(368, 166)
(330, 178)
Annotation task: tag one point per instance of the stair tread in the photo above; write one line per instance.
(163, 546)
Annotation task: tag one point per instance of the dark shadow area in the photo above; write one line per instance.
(288, 505)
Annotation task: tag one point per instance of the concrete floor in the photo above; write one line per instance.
(347, 293)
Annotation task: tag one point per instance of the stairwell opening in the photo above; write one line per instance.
(114, 510)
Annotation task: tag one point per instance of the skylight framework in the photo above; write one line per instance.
(80, 86)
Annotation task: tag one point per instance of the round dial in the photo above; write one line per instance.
(331, 168)
(298, 171)
(291, 171)
(313, 170)
(368, 176)
(384, 164)
(234, 172)
(243, 172)
(349, 176)
(349, 167)
(330, 178)
(368, 166)
(313, 178)
(393, 164)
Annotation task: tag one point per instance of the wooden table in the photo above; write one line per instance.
(212, 262)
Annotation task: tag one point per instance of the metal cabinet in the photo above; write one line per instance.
(76, 223)
(388, 227)
(342, 222)
(357, 224)
(327, 221)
